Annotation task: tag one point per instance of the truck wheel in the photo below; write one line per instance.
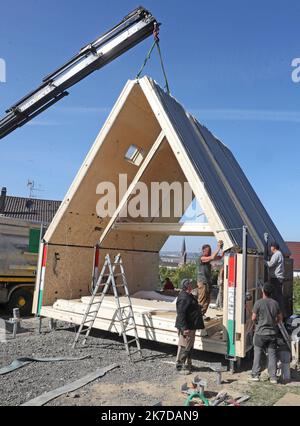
(21, 299)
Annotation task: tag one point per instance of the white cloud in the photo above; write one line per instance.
(246, 114)
(42, 123)
(84, 110)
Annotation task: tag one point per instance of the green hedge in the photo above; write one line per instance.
(297, 295)
(184, 271)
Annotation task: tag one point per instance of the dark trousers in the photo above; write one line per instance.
(277, 294)
(261, 344)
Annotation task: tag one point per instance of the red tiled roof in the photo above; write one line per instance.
(294, 248)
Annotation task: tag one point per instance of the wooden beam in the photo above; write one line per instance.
(135, 180)
(187, 228)
(185, 163)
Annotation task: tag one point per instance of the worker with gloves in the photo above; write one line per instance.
(189, 319)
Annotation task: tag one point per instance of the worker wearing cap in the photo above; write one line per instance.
(276, 274)
(204, 280)
(188, 320)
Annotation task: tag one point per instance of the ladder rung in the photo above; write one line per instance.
(134, 352)
(131, 341)
(129, 329)
(105, 283)
(124, 319)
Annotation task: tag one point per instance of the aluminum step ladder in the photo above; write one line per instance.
(124, 314)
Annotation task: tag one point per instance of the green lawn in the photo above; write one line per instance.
(297, 295)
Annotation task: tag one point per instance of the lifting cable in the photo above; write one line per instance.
(155, 43)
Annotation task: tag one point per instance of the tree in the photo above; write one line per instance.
(188, 270)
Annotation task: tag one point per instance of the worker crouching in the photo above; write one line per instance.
(189, 319)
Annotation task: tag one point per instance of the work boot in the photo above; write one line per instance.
(178, 366)
(189, 365)
(185, 370)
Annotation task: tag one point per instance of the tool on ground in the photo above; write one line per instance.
(70, 387)
(52, 324)
(237, 401)
(218, 368)
(135, 27)
(197, 391)
(200, 384)
(124, 314)
(15, 320)
(219, 399)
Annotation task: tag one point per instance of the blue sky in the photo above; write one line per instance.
(229, 63)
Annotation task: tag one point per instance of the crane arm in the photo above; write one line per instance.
(134, 28)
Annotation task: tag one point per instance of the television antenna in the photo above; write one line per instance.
(32, 188)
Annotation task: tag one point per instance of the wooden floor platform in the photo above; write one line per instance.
(155, 320)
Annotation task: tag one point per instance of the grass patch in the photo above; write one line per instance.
(266, 394)
(296, 295)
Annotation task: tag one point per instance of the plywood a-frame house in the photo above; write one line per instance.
(148, 137)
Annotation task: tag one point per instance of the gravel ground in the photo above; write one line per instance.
(103, 348)
(146, 382)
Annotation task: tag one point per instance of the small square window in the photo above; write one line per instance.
(134, 155)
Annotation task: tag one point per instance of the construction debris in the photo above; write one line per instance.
(197, 390)
(21, 362)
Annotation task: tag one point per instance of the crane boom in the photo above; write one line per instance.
(134, 28)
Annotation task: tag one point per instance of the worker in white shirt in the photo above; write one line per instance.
(276, 275)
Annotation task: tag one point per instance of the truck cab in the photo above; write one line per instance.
(19, 243)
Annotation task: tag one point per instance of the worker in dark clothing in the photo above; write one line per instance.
(188, 320)
(204, 281)
(266, 315)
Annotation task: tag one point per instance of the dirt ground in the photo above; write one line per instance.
(147, 382)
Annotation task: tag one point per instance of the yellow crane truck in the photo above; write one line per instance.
(19, 244)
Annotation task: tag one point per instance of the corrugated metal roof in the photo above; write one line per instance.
(295, 253)
(232, 195)
(31, 209)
